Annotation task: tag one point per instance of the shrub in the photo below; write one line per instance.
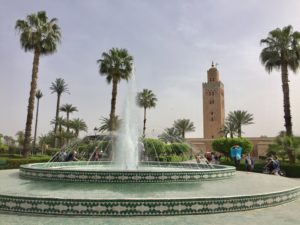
(3, 148)
(154, 147)
(223, 145)
(51, 151)
(12, 163)
(180, 148)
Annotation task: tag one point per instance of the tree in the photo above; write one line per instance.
(20, 138)
(78, 125)
(285, 146)
(228, 128)
(38, 96)
(116, 65)
(170, 135)
(40, 35)
(68, 108)
(239, 118)
(106, 124)
(59, 87)
(60, 134)
(183, 126)
(282, 52)
(146, 99)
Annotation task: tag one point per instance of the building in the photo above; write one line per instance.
(213, 104)
(214, 117)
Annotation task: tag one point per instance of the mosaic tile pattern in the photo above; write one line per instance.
(142, 207)
(187, 173)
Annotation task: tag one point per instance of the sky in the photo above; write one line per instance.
(172, 42)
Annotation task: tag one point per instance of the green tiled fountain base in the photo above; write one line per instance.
(101, 172)
(142, 207)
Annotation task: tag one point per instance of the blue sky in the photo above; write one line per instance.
(173, 44)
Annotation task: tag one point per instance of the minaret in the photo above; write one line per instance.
(213, 104)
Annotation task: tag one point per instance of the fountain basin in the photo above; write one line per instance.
(105, 172)
(244, 191)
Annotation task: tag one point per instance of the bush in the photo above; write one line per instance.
(223, 145)
(291, 170)
(12, 163)
(51, 151)
(3, 148)
(154, 147)
(158, 150)
(180, 148)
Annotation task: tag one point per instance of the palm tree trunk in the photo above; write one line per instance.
(33, 85)
(113, 104)
(35, 128)
(183, 134)
(112, 116)
(56, 118)
(286, 99)
(144, 128)
(68, 128)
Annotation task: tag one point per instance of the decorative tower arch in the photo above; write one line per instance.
(213, 104)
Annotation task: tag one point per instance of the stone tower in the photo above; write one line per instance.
(213, 104)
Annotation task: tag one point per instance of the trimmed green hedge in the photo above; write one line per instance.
(223, 145)
(158, 150)
(292, 170)
(13, 163)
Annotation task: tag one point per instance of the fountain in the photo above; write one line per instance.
(129, 188)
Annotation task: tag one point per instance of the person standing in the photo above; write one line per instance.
(249, 162)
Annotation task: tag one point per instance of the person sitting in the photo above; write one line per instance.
(96, 156)
(62, 155)
(72, 156)
(272, 165)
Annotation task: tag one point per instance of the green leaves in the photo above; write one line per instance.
(37, 33)
(146, 99)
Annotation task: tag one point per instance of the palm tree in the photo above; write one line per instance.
(20, 138)
(183, 126)
(38, 95)
(282, 51)
(239, 118)
(78, 125)
(146, 99)
(40, 35)
(170, 135)
(228, 128)
(68, 108)
(60, 131)
(106, 124)
(116, 65)
(58, 87)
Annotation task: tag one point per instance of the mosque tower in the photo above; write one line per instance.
(213, 104)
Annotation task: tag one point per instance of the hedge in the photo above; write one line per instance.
(223, 145)
(12, 163)
(292, 170)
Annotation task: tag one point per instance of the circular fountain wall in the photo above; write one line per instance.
(104, 172)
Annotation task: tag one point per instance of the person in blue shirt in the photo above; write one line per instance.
(236, 155)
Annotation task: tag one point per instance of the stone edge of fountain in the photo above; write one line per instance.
(190, 172)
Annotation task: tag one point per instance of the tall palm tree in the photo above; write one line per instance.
(183, 126)
(40, 35)
(59, 87)
(68, 108)
(116, 65)
(60, 121)
(239, 118)
(282, 51)
(38, 96)
(78, 125)
(146, 99)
